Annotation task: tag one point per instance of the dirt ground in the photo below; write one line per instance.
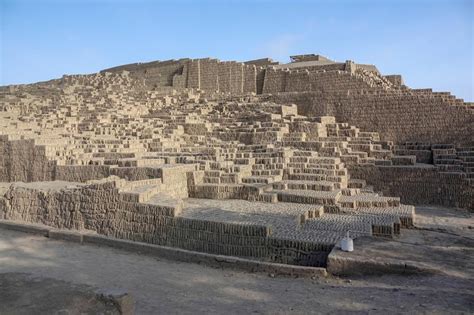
(28, 294)
(442, 242)
(169, 287)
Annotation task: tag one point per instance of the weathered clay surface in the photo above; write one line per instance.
(213, 156)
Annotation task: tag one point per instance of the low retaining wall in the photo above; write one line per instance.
(171, 253)
(342, 263)
(101, 208)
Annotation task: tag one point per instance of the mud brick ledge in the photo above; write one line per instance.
(171, 253)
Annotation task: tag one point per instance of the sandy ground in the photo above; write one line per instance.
(169, 287)
(442, 242)
(29, 294)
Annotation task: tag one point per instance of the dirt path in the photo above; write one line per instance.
(168, 287)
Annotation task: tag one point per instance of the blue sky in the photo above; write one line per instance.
(429, 42)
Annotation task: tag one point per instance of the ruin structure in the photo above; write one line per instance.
(255, 159)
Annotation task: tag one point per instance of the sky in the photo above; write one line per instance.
(428, 42)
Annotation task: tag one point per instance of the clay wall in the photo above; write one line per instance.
(263, 62)
(250, 79)
(260, 79)
(162, 76)
(283, 80)
(274, 81)
(205, 74)
(327, 67)
(208, 74)
(155, 74)
(236, 78)
(398, 115)
(80, 173)
(3, 160)
(298, 81)
(224, 74)
(418, 185)
(194, 74)
(175, 180)
(395, 79)
(101, 208)
(228, 77)
(22, 161)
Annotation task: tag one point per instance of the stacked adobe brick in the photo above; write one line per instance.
(293, 197)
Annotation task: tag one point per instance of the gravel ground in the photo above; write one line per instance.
(169, 287)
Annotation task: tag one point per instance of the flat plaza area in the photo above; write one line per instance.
(43, 276)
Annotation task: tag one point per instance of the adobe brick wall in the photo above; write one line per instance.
(229, 76)
(208, 74)
(417, 185)
(21, 160)
(101, 208)
(395, 79)
(398, 118)
(194, 74)
(398, 114)
(155, 73)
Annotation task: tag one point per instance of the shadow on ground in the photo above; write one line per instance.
(26, 294)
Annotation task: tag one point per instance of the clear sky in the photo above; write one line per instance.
(429, 42)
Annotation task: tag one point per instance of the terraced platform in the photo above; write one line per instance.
(212, 171)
